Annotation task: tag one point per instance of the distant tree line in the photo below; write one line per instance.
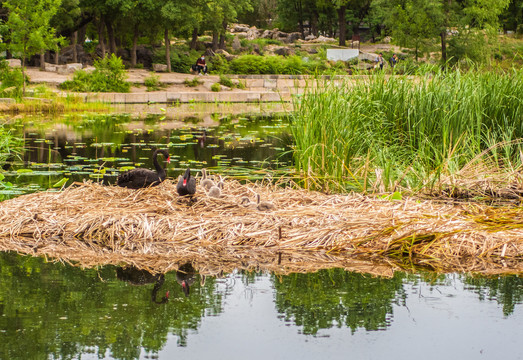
(34, 26)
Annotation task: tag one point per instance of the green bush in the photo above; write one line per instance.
(152, 82)
(216, 87)
(226, 81)
(11, 81)
(192, 83)
(109, 75)
(219, 65)
(249, 64)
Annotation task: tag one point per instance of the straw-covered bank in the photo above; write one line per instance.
(155, 229)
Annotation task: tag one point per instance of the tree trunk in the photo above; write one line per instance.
(110, 35)
(299, 9)
(75, 53)
(221, 44)
(194, 39)
(443, 36)
(23, 72)
(167, 50)
(101, 40)
(135, 44)
(314, 24)
(215, 39)
(57, 56)
(81, 35)
(42, 60)
(342, 25)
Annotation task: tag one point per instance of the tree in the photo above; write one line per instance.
(415, 23)
(463, 21)
(29, 29)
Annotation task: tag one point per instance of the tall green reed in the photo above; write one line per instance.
(387, 133)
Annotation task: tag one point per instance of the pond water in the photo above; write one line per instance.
(51, 310)
(98, 147)
(55, 311)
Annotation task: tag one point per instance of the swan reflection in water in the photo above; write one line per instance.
(186, 276)
(135, 276)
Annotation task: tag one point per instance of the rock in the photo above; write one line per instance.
(159, 67)
(50, 67)
(74, 66)
(227, 56)
(387, 39)
(14, 62)
(7, 100)
(310, 37)
(284, 51)
(312, 50)
(323, 39)
(144, 55)
(241, 35)
(63, 70)
(292, 37)
(253, 33)
(256, 49)
(267, 34)
(236, 28)
(236, 45)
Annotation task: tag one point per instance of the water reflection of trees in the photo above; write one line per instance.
(338, 298)
(506, 290)
(54, 311)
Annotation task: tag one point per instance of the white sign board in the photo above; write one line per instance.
(342, 54)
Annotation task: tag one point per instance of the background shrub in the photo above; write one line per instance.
(109, 75)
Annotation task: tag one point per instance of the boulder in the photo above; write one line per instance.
(284, 51)
(227, 56)
(74, 66)
(14, 62)
(144, 55)
(236, 45)
(292, 37)
(236, 28)
(267, 34)
(253, 33)
(310, 37)
(159, 67)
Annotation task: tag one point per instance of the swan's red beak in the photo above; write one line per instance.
(167, 294)
(169, 160)
(184, 182)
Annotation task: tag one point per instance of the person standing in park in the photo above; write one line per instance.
(393, 60)
(380, 61)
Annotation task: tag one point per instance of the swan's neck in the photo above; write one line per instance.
(157, 166)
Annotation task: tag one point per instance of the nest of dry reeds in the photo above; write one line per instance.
(155, 229)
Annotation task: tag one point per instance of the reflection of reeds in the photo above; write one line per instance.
(155, 229)
(418, 134)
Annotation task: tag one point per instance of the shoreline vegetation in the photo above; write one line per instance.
(455, 134)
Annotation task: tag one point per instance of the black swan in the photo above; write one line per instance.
(265, 205)
(206, 183)
(186, 184)
(142, 178)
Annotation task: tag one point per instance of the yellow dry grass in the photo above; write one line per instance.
(155, 229)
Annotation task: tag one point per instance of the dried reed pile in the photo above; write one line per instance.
(155, 229)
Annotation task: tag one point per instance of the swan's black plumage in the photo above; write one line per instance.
(142, 178)
(186, 184)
